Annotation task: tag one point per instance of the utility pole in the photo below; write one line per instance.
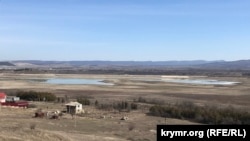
(75, 121)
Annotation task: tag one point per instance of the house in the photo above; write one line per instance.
(2, 97)
(74, 108)
(12, 99)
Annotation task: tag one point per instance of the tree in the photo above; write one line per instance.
(83, 101)
(96, 103)
(36, 96)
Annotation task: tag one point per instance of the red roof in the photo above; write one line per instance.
(2, 95)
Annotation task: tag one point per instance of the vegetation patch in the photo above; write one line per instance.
(36, 96)
(149, 101)
(83, 101)
(201, 114)
(120, 106)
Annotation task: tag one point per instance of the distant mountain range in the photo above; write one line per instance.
(220, 64)
(116, 63)
(240, 64)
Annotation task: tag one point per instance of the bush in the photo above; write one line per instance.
(142, 100)
(32, 106)
(108, 107)
(150, 101)
(32, 126)
(96, 103)
(125, 106)
(83, 101)
(134, 106)
(131, 126)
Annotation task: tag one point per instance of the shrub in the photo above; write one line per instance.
(142, 100)
(32, 106)
(150, 101)
(105, 107)
(131, 126)
(134, 106)
(125, 106)
(96, 103)
(32, 126)
(83, 101)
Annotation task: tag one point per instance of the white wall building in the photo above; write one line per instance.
(74, 108)
(2, 97)
(12, 98)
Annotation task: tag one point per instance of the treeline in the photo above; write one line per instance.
(149, 101)
(202, 114)
(36, 96)
(120, 106)
(83, 101)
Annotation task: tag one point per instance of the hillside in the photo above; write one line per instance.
(115, 63)
(133, 65)
(230, 65)
(6, 64)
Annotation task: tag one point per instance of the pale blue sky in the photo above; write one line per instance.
(128, 30)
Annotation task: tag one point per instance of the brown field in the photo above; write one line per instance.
(15, 123)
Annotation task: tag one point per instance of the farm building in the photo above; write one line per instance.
(12, 98)
(74, 108)
(12, 101)
(2, 97)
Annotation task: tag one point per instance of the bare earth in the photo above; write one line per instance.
(15, 123)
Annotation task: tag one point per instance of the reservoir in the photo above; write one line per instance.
(73, 81)
(199, 81)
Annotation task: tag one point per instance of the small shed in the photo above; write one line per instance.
(74, 108)
(2, 97)
(12, 99)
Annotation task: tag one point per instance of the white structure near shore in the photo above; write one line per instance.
(74, 108)
(12, 98)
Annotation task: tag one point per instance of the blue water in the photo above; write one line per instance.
(200, 81)
(73, 81)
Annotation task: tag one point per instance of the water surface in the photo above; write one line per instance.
(76, 81)
(200, 81)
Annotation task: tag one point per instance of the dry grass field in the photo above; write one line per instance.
(16, 123)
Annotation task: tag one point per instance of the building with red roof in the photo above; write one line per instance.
(2, 97)
(12, 101)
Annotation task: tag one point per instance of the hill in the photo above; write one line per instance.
(6, 64)
(229, 65)
(115, 63)
(109, 65)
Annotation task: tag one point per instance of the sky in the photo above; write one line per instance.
(124, 30)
